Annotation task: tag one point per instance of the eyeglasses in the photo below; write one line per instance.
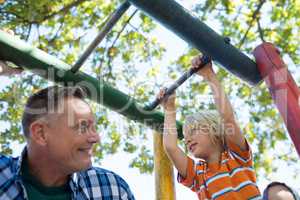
(84, 127)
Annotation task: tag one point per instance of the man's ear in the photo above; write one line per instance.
(37, 132)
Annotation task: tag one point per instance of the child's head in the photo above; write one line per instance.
(204, 133)
(279, 191)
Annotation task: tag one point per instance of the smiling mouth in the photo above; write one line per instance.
(88, 151)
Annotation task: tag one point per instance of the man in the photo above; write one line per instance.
(279, 191)
(60, 132)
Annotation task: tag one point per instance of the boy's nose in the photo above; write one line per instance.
(187, 140)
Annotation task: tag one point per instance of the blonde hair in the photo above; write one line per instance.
(212, 120)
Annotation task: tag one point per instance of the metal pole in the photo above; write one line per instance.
(282, 87)
(174, 17)
(49, 67)
(178, 82)
(104, 31)
(163, 168)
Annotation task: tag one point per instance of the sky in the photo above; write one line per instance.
(143, 185)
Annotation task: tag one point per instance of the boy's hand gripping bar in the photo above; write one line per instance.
(204, 60)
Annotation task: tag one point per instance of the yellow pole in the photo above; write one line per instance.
(164, 175)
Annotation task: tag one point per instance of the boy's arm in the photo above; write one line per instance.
(232, 129)
(175, 154)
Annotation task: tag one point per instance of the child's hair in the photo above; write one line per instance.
(211, 121)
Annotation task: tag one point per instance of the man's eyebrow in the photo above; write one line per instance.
(82, 120)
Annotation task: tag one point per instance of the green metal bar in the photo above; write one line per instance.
(173, 16)
(49, 67)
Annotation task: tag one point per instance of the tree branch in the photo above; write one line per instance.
(254, 17)
(64, 9)
(56, 34)
(134, 28)
(28, 32)
(260, 30)
(124, 26)
(115, 40)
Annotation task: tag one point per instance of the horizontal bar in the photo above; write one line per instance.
(204, 60)
(49, 67)
(174, 17)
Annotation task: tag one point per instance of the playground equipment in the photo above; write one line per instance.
(284, 90)
(204, 60)
(49, 67)
(197, 34)
(173, 16)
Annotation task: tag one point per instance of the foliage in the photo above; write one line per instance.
(65, 27)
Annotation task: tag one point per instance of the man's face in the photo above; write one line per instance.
(71, 136)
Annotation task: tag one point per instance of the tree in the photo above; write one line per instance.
(63, 28)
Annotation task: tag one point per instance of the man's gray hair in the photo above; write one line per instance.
(47, 101)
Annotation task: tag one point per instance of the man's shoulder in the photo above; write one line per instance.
(98, 171)
(8, 167)
(110, 185)
(6, 161)
(103, 176)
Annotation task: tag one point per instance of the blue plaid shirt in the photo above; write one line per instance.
(94, 183)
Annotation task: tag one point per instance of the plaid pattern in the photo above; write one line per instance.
(92, 184)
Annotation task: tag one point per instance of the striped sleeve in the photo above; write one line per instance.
(190, 179)
(244, 157)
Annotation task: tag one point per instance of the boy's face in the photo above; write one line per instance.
(198, 142)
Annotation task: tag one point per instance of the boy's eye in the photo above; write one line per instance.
(193, 132)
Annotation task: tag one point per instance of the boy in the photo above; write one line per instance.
(224, 170)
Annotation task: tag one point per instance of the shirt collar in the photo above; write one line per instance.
(74, 181)
(74, 178)
(20, 161)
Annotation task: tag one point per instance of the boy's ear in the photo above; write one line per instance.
(37, 132)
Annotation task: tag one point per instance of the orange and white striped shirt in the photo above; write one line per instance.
(232, 179)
